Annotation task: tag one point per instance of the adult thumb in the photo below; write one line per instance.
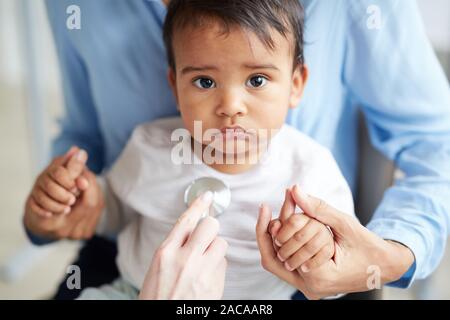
(322, 212)
(92, 194)
(76, 163)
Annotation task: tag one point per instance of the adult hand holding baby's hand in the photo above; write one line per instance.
(190, 263)
(66, 201)
(300, 241)
(357, 251)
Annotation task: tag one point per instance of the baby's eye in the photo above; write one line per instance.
(204, 83)
(257, 81)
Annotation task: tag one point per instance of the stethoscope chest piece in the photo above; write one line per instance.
(221, 192)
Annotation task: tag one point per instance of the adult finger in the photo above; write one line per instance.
(274, 227)
(70, 153)
(263, 238)
(76, 163)
(189, 220)
(62, 159)
(322, 212)
(91, 191)
(90, 207)
(288, 208)
(82, 182)
(216, 252)
(86, 216)
(203, 235)
(219, 280)
(90, 226)
(76, 223)
(77, 230)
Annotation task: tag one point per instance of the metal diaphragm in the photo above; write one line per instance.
(221, 194)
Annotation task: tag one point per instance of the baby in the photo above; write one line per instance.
(235, 68)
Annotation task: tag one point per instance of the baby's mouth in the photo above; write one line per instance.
(234, 132)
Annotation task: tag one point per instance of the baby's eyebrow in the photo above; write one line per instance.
(196, 69)
(261, 66)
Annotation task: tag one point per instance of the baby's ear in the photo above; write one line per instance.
(299, 79)
(171, 78)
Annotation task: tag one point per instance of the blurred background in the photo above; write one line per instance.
(31, 101)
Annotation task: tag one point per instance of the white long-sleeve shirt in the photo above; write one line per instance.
(145, 196)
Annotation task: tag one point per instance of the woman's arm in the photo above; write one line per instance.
(360, 255)
(393, 73)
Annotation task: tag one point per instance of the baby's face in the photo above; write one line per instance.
(232, 79)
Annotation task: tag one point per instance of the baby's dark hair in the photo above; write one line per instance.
(258, 16)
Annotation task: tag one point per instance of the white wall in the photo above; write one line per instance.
(11, 71)
(436, 15)
(12, 58)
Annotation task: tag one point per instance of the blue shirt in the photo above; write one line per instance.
(114, 78)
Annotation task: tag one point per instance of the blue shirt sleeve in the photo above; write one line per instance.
(36, 240)
(80, 125)
(395, 76)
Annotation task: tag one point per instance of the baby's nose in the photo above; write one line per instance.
(231, 104)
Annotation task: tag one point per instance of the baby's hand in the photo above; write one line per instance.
(56, 188)
(65, 186)
(302, 242)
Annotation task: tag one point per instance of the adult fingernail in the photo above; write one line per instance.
(272, 232)
(66, 211)
(72, 200)
(288, 267)
(261, 208)
(207, 197)
(299, 191)
(84, 183)
(277, 243)
(81, 155)
(72, 148)
(304, 268)
(280, 257)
